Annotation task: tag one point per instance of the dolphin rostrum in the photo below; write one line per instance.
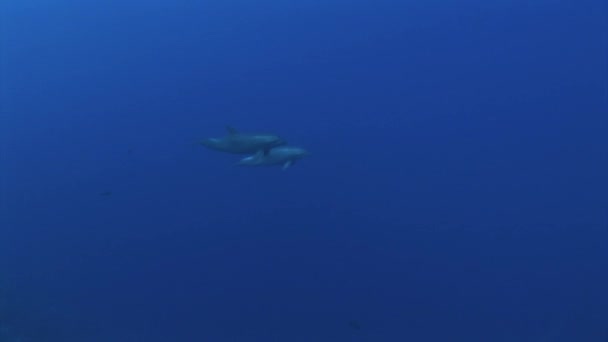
(243, 143)
(282, 155)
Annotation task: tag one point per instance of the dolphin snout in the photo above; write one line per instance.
(279, 142)
(210, 142)
(303, 153)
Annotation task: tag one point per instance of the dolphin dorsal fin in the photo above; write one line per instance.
(231, 130)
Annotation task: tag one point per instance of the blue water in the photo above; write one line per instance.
(456, 188)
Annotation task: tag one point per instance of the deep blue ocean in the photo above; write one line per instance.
(456, 187)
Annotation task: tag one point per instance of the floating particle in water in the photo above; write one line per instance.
(354, 324)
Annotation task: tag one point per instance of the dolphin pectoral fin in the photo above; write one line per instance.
(287, 165)
(231, 130)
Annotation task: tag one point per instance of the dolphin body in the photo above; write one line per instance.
(282, 155)
(243, 143)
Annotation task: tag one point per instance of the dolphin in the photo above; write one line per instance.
(282, 155)
(243, 143)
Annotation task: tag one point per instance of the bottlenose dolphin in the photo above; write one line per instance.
(282, 155)
(243, 143)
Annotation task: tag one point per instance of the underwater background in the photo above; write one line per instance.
(456, 188)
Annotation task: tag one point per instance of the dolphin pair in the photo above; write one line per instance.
(263, 149)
